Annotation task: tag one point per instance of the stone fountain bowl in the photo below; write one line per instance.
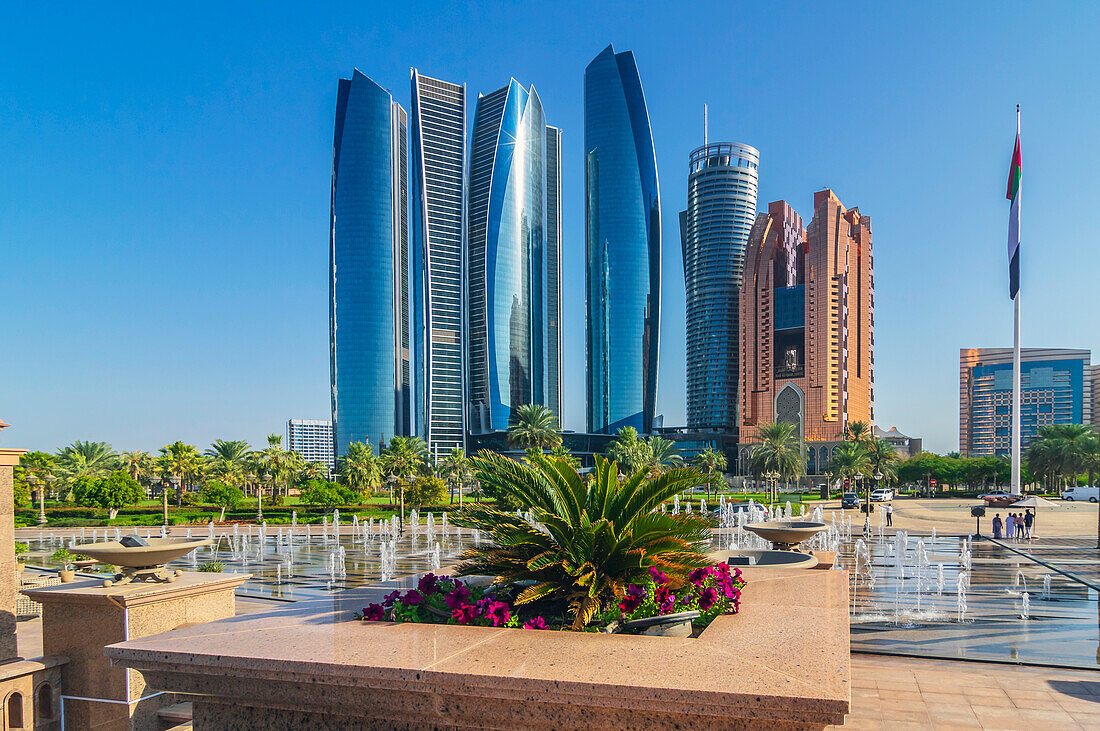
(778, 559)
(159, 551)
(785, 535)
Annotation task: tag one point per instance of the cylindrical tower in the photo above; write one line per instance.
(714, 231)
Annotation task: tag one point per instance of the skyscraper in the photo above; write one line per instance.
(1056, 387)
(714, 231)
(807, 326)
(438, 219)
(369, 261)
(512, 285)
(312, 440)
(622, 247)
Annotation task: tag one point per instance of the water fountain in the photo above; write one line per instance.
(435, 558)
(1046, 586)
(960, 598)
(293, 519)
(939, 579)
(786, 535)
(429, 524)
(1025, 607)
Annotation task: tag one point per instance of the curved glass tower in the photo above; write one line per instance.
(512, 307)
(714, 231)
(369, 260)
(622, 246)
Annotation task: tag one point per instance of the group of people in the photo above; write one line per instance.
(1016, 527)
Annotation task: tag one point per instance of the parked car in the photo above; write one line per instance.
(849, 500)
(993, 494)
(1092, 494)
(881, 495)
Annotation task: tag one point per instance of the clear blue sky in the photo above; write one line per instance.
(165, 184)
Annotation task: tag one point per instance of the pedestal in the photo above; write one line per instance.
(81, 618)
(9, 580)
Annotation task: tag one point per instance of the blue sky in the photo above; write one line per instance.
(165, 184)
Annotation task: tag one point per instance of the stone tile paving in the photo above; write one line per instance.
(903, 693)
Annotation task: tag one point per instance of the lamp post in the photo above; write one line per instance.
(773, 484)
(33, 481)
(174, 481)
(42, 499)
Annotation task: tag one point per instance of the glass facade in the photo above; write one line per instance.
(437, 228)
(368, 258)
(510, 264)
(714, 231)
(622, 247)
(1055, 388)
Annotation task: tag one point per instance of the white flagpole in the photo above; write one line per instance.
(1016, 366)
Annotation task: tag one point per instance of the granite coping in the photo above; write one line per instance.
(92, 591)
(785, 654)
(19, 668)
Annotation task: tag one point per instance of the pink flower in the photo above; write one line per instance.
(412, 597)
(390, 598)
(707, 598)
(657, 575)
(457, 597)
(698, 576)
(374, 612)
(427, 584)
(498, 613)
(665, 600)
(536, 623)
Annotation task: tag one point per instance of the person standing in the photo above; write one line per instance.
(1010, 527)
(1020, 519)
(1029, 518)
(889, 514)
(997, 525)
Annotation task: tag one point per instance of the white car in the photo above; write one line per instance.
(882, 495)
(1092, 494)
(993, 493)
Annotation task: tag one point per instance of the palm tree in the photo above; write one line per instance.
(560, 452)
(851, 459)
(359, 469)
(664, 454)
(183, 461)
(137, 464)
(858, 431)
(595, 538)
(710, 460)
(882, 459)
(229, 459)
(533, 425)
(631, 451)
(780, 452)
(402, 458)
(456, 471)
(86, 459)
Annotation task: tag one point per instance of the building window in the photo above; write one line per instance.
(43, 706)
(15, 710)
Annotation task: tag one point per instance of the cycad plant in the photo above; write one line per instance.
(589, 539)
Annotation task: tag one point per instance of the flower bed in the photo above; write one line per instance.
(711, 590)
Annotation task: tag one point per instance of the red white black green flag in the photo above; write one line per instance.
(1014, 174)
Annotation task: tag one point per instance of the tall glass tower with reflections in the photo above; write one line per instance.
(513, 280)
(369, 266)
(438, 253)
(622, 246)
(714, 231)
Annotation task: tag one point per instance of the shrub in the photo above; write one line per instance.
(212, 567)
(118, 490)
(425, 491)
(63, 557)
(592, 538)
(222, 495)
(21, 548)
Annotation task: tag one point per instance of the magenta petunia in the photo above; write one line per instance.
(536, 623)
(458, 596)
(664, 599)
(708, 596)
(698, 576)
(391, 598)
(374, 612)
(412, 597)
(657, 575)
(498, 613)
(427, 584)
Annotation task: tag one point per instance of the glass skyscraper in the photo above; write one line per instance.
(512, 285)
(714, 231)
(369, 264)
(1055, 388)
(438, 218)
(622, 247)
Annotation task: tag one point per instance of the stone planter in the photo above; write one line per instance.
(66, 575)
(664, 625)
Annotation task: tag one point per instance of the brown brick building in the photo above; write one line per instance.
(807, 325)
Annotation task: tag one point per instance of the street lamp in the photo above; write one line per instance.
(42, 500)
(174, 481)
(32, 480)
(773, 484)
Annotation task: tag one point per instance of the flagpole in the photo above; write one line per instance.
(1016, 444)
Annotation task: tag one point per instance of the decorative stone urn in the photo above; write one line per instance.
(664, 625)
(775, 559)
(785, 535)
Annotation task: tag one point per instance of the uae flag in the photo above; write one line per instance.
(1013, 195)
